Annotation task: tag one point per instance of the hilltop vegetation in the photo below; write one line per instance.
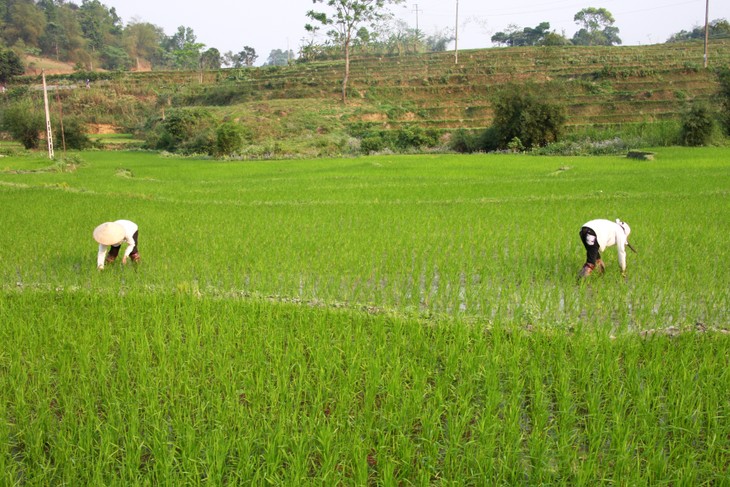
(88, 35)
(637, 94)
(398, 99)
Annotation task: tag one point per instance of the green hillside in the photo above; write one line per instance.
(298, 107)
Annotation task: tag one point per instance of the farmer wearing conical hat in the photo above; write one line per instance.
(596, 235)
(111, 236)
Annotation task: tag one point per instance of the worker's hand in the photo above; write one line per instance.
(124, 259)
(100, 268)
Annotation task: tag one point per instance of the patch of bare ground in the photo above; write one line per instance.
(102, 128)
(374, 117)
(34, 65)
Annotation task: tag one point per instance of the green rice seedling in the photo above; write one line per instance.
(221, 389)
(380, 320)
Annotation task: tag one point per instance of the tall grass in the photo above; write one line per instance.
(608, 139)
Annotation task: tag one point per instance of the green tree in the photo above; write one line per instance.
(181, 49)
(244, 58)
(598, 28)
(247, 56)
(143, 40)
(26, 22)
(398, 38)
(115, 59)
(100, 25)
(717, 29)
(50, 39)
(71, 42)
(529, 36)
(10, 65)
(439, 41)
(210, 59)
(278, 57)
(178, 40)
(344, 21)
(63, 37)
(555, 39)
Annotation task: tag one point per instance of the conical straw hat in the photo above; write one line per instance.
(109, 233)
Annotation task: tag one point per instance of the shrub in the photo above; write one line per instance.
(414, 136)
(74, 134)
(361, 129)
(24, 122)
(490, 140)
(698, 125)
(400, 140)
(183, 124)
(185, 131)
(515, 145)
(464, 141)
(518, 113)
(203, 142)
(585, 147)
(724, 79)
(81, 75)
(17, 92)
(230, 137)
(372, 143)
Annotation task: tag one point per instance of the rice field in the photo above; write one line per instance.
(390, 320)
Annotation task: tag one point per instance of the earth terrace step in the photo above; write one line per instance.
(482, 123)
(573, 113)
(678, 81)
(293, 77)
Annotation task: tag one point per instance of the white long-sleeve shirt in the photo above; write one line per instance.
(130, 228)
(610, 233)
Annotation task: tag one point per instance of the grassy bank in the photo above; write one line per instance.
(294, 111)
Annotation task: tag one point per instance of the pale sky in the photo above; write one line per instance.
(229, 25)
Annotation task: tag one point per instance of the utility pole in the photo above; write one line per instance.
(456, 35)
(60, 120)
(416, 9)
(49, 136)
(707, 27)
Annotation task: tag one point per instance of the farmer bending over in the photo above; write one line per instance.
(113, 234)
(599, 234)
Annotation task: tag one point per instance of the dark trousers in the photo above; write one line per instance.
(114, 250)
(590, 242)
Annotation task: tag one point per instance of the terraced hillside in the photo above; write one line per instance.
(597, 85)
